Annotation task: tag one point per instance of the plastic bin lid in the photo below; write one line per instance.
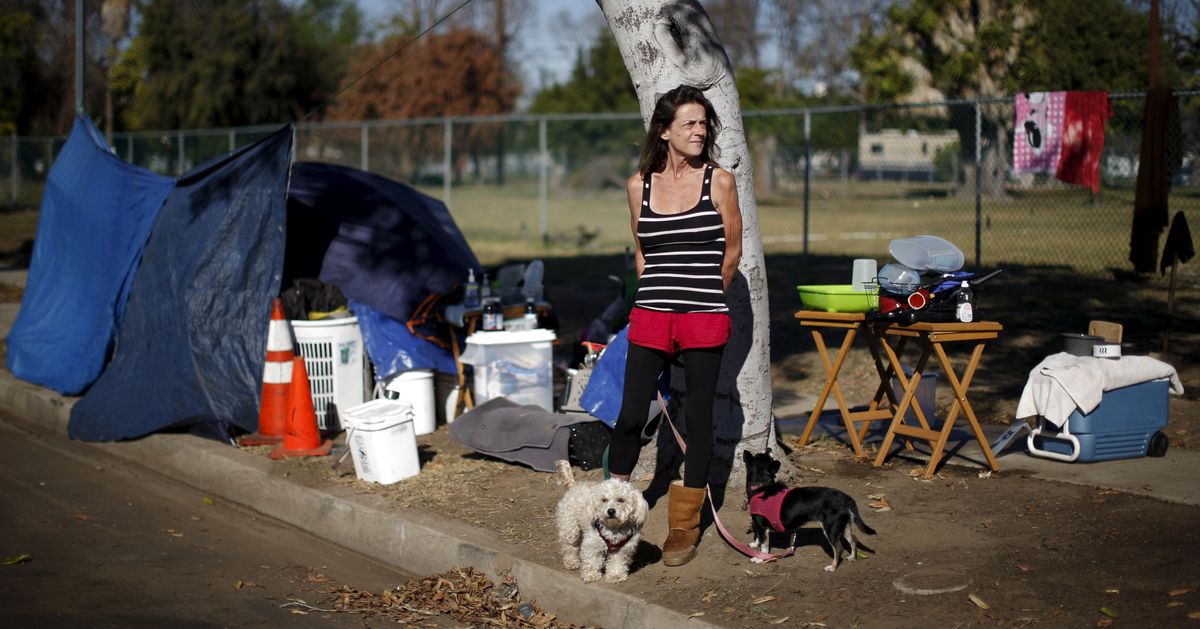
(377, 415)
(327, 322)
(511, 337)
(927, 253)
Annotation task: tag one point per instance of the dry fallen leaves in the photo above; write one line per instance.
(464, 594)
(1194, 615)
(12, 561)
(880, 505)
(763, 599)
(1179, 592)
(1025, 567)
(978, 602)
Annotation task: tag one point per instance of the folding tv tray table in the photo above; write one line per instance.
(857, 423)
(934, 338)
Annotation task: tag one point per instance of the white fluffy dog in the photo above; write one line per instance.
(599, 525)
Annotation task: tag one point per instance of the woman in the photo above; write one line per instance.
(688, 229)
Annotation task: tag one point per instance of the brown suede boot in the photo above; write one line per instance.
(683, 520)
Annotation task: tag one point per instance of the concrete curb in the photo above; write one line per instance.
(364, 523)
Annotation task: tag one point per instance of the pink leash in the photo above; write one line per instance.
(725, 534)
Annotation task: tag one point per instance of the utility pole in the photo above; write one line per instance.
(79, 56)
(501, 45)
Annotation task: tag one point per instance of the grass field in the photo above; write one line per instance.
(1058, 227)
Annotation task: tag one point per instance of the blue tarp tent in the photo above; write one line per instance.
(392, 247)
(189, 351)
(191, 347)
(96, 214)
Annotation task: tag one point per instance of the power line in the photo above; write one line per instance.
(394, 53)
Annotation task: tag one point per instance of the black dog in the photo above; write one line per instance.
(774, 507)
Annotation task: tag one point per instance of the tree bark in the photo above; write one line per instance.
(666, 43)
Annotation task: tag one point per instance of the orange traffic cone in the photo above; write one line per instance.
(302, 437)
(277, 382)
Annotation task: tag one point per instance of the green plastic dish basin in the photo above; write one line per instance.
(834, 298)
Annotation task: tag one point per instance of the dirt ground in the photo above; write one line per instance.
(1031, 551)
(960, 550)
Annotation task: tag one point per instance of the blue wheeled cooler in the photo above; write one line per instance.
(1127, 424)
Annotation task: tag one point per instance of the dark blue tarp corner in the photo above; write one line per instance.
(191, 347)
(392, 246)
(95, 217)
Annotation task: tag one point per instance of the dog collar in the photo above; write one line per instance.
(612, 546)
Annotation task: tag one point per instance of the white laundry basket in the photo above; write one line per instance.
(336, 363)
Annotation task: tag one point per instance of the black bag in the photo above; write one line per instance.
(587, 444)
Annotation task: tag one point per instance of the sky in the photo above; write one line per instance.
(543, 51)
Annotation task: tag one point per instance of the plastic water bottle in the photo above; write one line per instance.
(471, 295)
(531, 320)
(486, 288)
(963, 311)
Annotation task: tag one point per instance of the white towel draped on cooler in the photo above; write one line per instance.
(1063, 382)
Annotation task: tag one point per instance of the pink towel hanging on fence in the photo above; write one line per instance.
(1037, 144)
(1084, 116)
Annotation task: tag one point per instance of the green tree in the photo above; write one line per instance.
(599, 82)
(37, 65)
(212, 63)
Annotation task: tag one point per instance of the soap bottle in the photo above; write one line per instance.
(493, 316)
(531, 318)
(471, 296)
(963, 310)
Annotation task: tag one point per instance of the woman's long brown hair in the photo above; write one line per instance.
(654, 149)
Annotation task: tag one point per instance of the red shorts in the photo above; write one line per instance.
(670, 331)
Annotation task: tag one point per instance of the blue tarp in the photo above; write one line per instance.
(393, 349)
(96, 214)
(393, 245)
(191, 347)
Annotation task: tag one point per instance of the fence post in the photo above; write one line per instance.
(16, 170)
(179, 168)
(129, 148)
(807, 171)
(543, 182)
(364, 157)
(232, 140)
(978, 186)
(447, 138)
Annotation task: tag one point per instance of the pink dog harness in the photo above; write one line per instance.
(769, 508)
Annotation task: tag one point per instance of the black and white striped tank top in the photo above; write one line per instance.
(683, 255)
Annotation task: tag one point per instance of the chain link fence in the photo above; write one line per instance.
(829, 181)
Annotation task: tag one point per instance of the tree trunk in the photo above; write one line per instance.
(666, 43)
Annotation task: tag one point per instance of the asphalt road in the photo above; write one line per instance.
(114, 545)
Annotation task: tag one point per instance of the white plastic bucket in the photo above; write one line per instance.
(415, 388)
(445, 392)
(381, 441)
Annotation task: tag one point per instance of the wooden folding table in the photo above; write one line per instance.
(857, 422)
(934, 337)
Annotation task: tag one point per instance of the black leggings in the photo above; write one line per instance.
(642, 366)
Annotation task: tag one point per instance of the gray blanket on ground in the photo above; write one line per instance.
(529, 435)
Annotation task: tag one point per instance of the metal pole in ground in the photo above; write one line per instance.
(16, 170)
(232, 140)
(807, 171)
(543, 182)
(978, 187)
(79, 56)
(447, 138)
(179, 169)
(364, 157)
